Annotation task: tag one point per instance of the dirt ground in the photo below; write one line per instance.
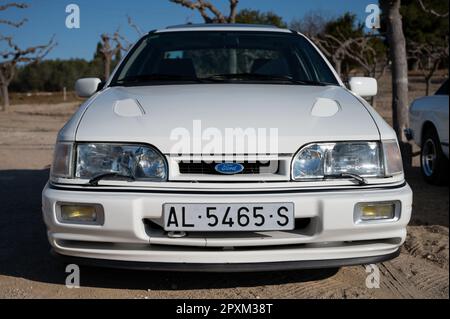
(27, 270)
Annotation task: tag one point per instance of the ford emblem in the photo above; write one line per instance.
(229, 168)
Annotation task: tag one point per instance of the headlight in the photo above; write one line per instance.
(139, 161)
(62, 160)
(392, 158)
(366, 159)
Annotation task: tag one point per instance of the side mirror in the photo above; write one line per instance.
(364, 87)
(87, 86)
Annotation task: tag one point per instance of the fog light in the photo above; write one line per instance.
(366, 212)
(81, 214)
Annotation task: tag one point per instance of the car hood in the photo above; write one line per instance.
(156, 114)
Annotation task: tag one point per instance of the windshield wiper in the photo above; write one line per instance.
(94, 181)
(359, 179)
(260, 77)
(148, 78)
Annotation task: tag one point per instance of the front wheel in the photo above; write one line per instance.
(434, 164)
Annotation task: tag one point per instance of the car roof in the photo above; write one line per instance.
(222, 27)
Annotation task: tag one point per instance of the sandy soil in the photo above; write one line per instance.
(28, 271)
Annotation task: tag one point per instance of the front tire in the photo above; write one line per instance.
(434, 164)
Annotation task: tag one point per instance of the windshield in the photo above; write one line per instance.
(223, 56)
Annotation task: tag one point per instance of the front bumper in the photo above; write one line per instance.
(227, 267)
(331, 239)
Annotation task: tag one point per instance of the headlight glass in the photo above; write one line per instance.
(139, 161)
(323, 159)
(62, 160)
(392, 158)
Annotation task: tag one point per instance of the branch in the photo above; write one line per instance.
(321, 44)
(134, 26)
(12, 23)
(108, 50)
(219, 16)
(118, 38)
(359, 50)
(431, 11)
(428, 56)
(205, 7)
(195, 6)
(13, 5)
(384, 68)
(233, 11)
(16, 55)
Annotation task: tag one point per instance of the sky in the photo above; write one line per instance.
(47, 18)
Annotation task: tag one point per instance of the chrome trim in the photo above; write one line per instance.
(197, 191)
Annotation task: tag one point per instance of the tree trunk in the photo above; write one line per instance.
(415, 65)
(397, 50)
(433, 67)
(338, 66)
(428, 85)
(107, 61)
(5, 96)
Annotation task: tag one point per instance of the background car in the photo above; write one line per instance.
(429, 130)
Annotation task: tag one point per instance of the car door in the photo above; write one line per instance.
(441, 109)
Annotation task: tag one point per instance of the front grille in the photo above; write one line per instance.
(208, 168)
(301, 224)
(305, 228)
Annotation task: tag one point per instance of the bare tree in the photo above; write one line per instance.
(334, 48)
(360, 50)
(13, 5)
(429, 57)
(209, 12)
(398, 56)
(12, 54)
(373, 62)
(338, 48)
(311, 24)
(366, 56)
(134, 26)
(111, 45)
(432, 11)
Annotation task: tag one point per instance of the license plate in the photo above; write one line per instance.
(229, 217)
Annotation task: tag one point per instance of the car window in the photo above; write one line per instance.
(208, 62)
(443, 90)
(268, 57)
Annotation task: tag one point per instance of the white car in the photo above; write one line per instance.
(226, 148)
(429, 129)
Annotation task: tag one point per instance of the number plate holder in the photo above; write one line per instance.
(228, 217)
